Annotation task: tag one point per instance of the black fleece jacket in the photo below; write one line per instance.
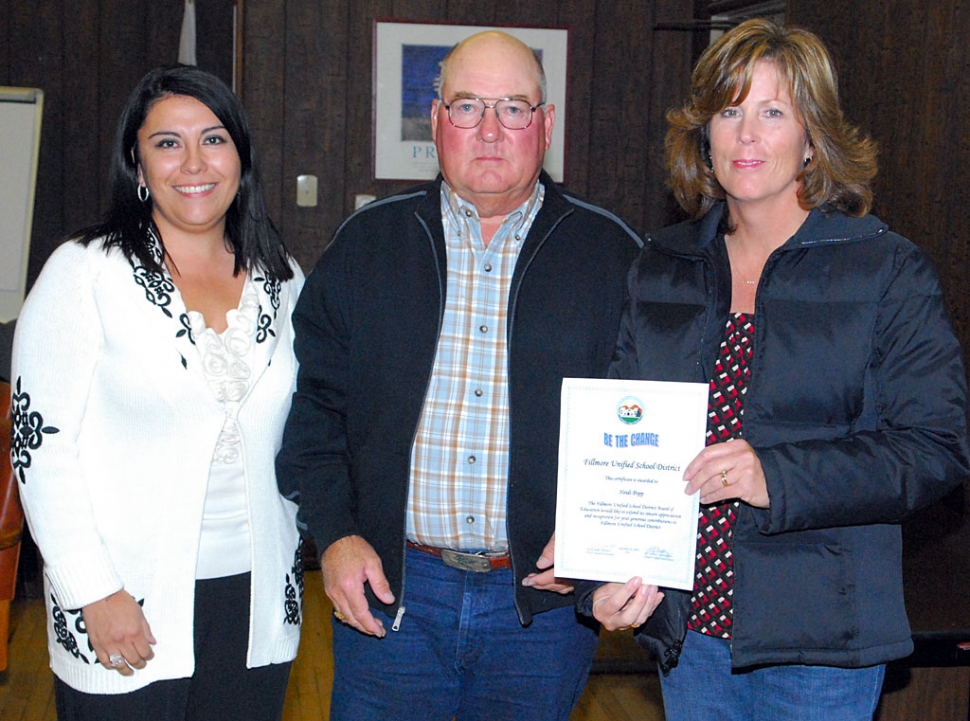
(367, 327)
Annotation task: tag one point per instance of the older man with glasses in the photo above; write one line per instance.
(433, 337)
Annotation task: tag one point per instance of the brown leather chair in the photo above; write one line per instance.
(11, 524)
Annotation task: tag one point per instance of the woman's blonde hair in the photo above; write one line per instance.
(843, 165)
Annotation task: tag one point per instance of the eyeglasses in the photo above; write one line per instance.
(512, 114)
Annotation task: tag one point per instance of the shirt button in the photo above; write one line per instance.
(478, 392)
(468, 213)
(488, 267)
(469, 519)
(472, 459)
(483, 328)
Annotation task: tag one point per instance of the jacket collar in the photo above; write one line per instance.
(820, 227)
(430, 206)
(555, 206)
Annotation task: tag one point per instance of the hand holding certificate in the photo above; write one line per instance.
(621, 508)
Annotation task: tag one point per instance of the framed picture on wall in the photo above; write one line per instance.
(406, 63)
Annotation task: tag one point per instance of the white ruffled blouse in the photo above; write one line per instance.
(227, 362)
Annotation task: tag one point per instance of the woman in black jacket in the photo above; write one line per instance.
(837, 394)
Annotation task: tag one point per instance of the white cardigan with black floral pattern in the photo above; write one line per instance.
(114, 433)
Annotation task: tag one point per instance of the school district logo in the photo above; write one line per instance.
(629, 410)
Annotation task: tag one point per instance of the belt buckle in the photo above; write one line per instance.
(466, 561)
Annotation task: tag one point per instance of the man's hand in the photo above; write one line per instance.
(347, 564)
(119, 632)
(546, 580)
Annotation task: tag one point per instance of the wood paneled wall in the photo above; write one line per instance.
(306, 80)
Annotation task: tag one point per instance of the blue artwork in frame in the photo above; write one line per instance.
(407, 61)
(419, 67)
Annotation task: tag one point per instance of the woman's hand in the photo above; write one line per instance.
(619, 606)
(119, 632)
(728, 470)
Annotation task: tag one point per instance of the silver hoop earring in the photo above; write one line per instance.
(807, 161)
(143, 196)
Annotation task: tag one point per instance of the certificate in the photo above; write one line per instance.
(621, 509)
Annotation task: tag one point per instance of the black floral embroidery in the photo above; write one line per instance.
(186, 328)
(154, 246)
(294, 588)
(264, 327)
(272, 289)
(158, 288)
(27, 431)
(64, 636)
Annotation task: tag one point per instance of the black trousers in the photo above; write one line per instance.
(221, 687)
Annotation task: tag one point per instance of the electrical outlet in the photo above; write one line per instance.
(306, 191)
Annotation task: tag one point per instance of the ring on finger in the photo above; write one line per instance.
(724, 480)
(339, 616)
(116, 660)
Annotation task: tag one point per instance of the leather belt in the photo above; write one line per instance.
(477, 562)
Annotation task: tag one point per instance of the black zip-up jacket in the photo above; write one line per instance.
(367, 327)
(856, 407)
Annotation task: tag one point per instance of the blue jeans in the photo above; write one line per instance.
(461, 653)
(703, 687)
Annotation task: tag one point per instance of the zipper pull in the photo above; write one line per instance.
(396, 626)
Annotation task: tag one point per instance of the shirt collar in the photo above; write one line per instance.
(459, 211)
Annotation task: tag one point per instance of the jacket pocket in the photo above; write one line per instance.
(794, 597)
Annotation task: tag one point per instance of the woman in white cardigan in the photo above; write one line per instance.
(152, 374)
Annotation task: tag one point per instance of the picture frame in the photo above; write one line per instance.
(406, 62)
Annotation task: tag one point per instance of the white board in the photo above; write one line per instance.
(20, 116)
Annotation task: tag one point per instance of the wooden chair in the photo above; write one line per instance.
(11, 525)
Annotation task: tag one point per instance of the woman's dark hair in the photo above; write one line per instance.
(844, 160)
(127, 224)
